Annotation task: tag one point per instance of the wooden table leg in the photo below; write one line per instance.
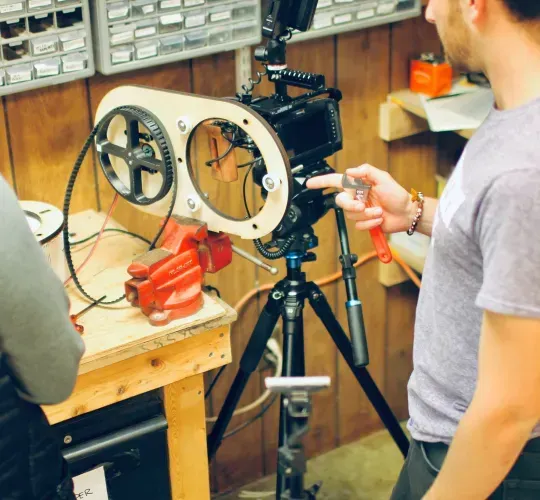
(188, 458)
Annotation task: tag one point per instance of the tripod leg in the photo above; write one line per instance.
(293, 366)
(248, 364)
(324, 312)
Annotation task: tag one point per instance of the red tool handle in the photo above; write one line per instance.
(380, 242)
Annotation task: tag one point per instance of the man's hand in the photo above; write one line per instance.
(502, 415)
(393, 209)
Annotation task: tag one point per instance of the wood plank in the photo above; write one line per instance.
(364, 85)
(397, 123)
(237, 461)
(176, 76)
(412, 163)
(5, 160)
(410, 102)
(48, 128)
(144, 373)
(186, 436)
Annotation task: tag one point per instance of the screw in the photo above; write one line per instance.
(206, 195)
(130, 154)
(182, 126)
(68, 439)
(269, 183)
(191, 203)
(130, 162)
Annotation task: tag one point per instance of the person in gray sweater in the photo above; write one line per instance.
(40, 352)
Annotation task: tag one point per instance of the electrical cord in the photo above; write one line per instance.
(274, 348)
(252, 420)
(123, 231)
(267, 254)
(67, 205)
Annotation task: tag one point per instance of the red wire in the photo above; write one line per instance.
(105, 222)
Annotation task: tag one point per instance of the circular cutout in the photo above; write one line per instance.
(223, 162)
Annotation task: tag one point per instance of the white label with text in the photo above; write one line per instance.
(91, 485)
(11, 7)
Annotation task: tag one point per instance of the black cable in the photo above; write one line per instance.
(129, 233)
(69, 194)
(244, 190)
(267, 254)
(216, 378)
(253, 419)
(213, 289)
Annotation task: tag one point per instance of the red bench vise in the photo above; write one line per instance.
(167, 281)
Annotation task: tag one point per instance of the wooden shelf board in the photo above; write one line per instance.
(396, 125)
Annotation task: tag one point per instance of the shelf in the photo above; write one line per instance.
(403, 115)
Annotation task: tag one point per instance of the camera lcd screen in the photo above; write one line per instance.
(305, 133)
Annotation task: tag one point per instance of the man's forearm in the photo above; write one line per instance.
(485, 448)
(425, 224)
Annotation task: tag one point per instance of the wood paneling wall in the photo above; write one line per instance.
(41, 133)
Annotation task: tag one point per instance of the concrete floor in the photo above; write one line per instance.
(364, 470)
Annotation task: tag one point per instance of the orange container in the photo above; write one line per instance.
(430, 75)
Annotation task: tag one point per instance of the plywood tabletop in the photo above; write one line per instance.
(120, 331)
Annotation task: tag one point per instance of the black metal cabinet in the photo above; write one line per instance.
(129, 439)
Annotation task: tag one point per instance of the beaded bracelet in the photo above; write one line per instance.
(416, 197)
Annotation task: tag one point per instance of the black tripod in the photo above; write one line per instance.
(287, 300)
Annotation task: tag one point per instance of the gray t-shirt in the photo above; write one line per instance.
(37, 339)
(484, 255)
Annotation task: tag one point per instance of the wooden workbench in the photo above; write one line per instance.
(126, 356)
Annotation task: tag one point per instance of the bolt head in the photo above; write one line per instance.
(68, 439)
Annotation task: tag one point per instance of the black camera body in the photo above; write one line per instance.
(310, 130)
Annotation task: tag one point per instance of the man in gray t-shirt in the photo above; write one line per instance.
(474, 394)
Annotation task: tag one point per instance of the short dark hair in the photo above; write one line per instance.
(524, 10)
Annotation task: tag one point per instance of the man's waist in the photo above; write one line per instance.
(527, 466)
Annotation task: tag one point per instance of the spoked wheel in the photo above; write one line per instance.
(147, 150)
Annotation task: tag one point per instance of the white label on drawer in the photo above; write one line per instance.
(220, 16)
(193, 21)
(33, 4)
(343, 18)
(125, 36)
(385, 9)
(20, 76)
(74, 44)
(145, 52)
(151, 30)
(171, 19)
(365, 14)
(71, 66)
(11, 7)
(46, 70)
(44, 47)
(324, 3)
(91, 484)
(121, 56)
(170, 4)
(192, 3)
(322, 22)
(118, 12)
(149, 9)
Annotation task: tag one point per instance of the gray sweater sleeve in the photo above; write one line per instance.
(41, 346)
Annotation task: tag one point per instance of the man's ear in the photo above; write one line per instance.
(475, 11)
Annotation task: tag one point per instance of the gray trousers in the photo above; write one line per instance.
(425, 460)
